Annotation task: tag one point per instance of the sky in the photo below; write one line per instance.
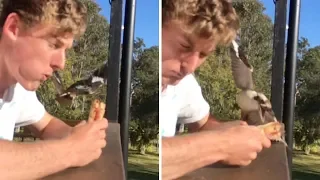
(309, 19)
(147, 19)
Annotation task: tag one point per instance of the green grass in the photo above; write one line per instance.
(305, 167)
(143, 167)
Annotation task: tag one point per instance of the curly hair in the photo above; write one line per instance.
(68, 16)
(210, 19)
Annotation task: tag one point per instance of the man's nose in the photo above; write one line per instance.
(58, 61)
(190, 64)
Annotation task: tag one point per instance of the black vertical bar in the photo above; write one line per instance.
(278, 58)
(290, 76)
(113, 68)
(125, 84)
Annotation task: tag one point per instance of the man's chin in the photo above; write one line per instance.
(170, 82)
(174, 82)
(31, 86)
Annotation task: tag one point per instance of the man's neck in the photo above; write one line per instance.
(163, 87)
(6, 80)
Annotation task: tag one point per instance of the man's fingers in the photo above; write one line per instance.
(243, 123)
(101, 124)
(102, 134)
(266, 142)
(253, 155)
(245, 163)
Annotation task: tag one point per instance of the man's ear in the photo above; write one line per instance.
(12, 26)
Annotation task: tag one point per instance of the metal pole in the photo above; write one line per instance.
(113, 68)
(278, 58)
(125, 84)
(290, 76)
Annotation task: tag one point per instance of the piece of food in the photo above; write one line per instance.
(274, 131)
(97, 110)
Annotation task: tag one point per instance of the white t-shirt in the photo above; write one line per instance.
(182, 103)
(18, 107)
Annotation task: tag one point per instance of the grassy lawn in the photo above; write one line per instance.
(143, 167)
(306, 167)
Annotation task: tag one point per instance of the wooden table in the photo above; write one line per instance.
(108, 166)
(271, 164)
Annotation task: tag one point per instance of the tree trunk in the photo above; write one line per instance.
(142, 149)
(83, 103)
(307, 149)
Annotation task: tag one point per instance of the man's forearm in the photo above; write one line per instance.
(21, 161)
(183, 154)
(56, 129)
(211, 123)
(207, 123)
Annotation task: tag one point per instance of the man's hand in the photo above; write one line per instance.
(86, 141)
(242, 143)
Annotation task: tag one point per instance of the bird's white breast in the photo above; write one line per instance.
(245, 100)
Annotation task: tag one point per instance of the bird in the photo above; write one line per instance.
(256, 109)
(62, 96)
(85, 86)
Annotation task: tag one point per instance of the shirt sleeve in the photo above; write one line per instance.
(194, 107)
(32, 110)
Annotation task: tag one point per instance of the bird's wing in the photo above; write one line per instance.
(96, 82)
(253, 117)
(86, 86)
(101, 72)
(81, 87)
(56, 79)
(241, 69)
(90, 84)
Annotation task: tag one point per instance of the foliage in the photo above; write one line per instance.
(307, 129)
(145, 99)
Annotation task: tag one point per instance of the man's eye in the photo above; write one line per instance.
(185, 46)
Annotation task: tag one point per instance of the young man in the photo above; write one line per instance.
(34, 37)
(191, 30)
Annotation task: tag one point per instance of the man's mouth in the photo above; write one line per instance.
(45, 77)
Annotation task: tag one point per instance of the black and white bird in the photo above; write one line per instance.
(255, 107)
(86, 86)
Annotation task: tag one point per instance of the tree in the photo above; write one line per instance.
(144, 125)
(307, 124)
